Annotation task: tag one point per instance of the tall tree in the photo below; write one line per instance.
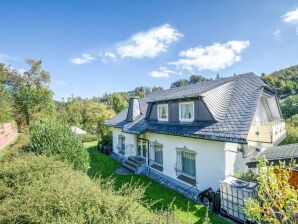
(197, 79)
(289, 106)
(116, 101)
(32, 97)
(284, 81)
(179, 83)
(156, 89)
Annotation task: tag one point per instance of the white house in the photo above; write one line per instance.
(197, 134)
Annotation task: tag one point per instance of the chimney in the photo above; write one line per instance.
(133, 109)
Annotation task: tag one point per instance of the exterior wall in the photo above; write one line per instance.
(130, 141)
(214, 159)
(210, 158)
(261, 114)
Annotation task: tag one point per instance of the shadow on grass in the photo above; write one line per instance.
(105, 166)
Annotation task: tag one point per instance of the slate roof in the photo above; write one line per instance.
(232, 102)
(278, 153)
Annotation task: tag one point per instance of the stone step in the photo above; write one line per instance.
(129, 167)
(132, 163)
(134, 160)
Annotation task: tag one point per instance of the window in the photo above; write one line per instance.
(156, 155)
(162, 112)
(186, 111)
(121, 144)
(186, 164)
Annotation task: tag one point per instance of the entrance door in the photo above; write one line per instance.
(142, 148)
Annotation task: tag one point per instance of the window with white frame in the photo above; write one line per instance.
(186, 163)
(121, 142)
(163, 112)
(156, 155)
(186, 111)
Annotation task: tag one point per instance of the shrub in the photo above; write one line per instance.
(89, 138)
(41, 189)
(57, 139)
(248, 175)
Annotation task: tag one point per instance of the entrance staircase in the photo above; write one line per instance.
(133, 164)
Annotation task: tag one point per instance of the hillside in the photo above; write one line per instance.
(284, 81)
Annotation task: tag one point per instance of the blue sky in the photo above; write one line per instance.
(93, 47)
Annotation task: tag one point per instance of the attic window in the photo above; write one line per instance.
(162, 112)
(186, 111)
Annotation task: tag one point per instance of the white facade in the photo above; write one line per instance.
(214, 159)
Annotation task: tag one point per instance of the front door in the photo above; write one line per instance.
(142, 148)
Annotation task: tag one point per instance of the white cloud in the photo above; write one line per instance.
(163, 72)
(108, 55)
(276, 34)
(213, 57)
(149, 44)
(291, 16)
(59, 83)
(86, 58)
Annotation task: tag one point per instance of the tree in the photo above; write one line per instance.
(289, 106)
(141, 91)
(284, 81)
(32, 98)
(197, 79)
(277, 200)
(179, 83)
(5, 99)
(88, 114)
(291, 130)
(217, 76)
(5, 105)
(156, 89)
(116, 101)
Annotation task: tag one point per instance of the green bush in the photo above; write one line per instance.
(42, 189)
(57, 139)
(89, 138)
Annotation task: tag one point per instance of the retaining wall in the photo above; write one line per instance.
(8, 133)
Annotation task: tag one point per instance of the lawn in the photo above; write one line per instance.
(188, 211)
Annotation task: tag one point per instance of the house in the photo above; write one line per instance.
(197, 134)
(78, 130)
(284, 153)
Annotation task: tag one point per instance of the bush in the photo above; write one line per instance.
(57, 139)
(41, 189)
(248, 175)
(89, 138)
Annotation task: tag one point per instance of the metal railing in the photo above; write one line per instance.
(268, 132)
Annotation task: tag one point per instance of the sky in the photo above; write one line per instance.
(96, 47)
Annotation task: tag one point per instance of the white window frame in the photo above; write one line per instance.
(167, 112)
(193, 112)
(179, 162)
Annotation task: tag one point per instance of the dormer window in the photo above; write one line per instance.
(163, 112)
(186, 111)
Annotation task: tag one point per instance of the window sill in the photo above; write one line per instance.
(187, 179)
(157, 167)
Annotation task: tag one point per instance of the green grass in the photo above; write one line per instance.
(187, 211)
(14, 147)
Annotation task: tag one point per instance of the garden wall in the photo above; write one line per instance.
(8, 133)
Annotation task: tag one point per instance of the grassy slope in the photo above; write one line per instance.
(20, 142)
(188, 211)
